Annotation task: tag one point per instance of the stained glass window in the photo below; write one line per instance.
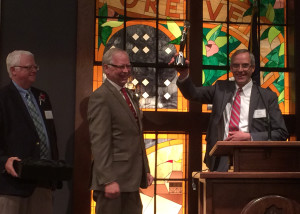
(151, 40)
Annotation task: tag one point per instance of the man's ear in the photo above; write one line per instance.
(105, 68)
(12, 71)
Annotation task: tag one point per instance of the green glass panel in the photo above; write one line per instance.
(273, 45)
(209, 77)
(272, 11)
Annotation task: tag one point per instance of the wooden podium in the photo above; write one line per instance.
(265, 179)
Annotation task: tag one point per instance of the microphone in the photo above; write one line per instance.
(267, 113)
(194, 186)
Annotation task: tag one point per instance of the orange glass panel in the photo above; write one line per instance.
(97, 77)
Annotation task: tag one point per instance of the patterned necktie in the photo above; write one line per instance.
(130, 105)
(37, 120)
(235, 112)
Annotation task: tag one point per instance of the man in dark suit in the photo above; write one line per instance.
(26, 131)
(120, 164)
(255, 106)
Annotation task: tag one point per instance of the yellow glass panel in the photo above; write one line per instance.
(167, 156)
(204, 167)
(93, 204)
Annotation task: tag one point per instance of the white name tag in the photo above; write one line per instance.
(260, 113)
(48, 115)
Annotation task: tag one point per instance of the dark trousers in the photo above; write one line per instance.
(126, 203)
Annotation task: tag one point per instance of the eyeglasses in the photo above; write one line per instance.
(244, 66)
(122, 67)
(30, 67)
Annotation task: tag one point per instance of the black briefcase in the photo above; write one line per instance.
(43, 170)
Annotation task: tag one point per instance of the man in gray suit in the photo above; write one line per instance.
(258, 119)
(120, 164)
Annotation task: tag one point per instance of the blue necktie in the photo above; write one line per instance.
(37, 120)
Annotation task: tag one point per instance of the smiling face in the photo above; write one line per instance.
(116, 71)
(242, 68)
(24, 74)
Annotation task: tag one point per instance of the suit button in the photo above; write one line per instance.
(37, 143)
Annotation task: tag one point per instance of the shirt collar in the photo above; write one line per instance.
(247, 88)
(21, 90)
(114, 84)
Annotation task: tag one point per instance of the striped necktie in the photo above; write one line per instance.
(235, 112)
(38, 123)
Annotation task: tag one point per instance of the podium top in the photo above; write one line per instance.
(227, 147)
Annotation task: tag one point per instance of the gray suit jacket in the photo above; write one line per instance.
(219, 95)
(116, 140)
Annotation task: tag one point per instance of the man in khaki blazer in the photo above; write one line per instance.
(120, 165)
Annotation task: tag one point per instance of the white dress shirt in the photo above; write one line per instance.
(244, 113)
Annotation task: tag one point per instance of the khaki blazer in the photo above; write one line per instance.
(117, 142)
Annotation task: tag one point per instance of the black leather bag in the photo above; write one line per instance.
(43, 170)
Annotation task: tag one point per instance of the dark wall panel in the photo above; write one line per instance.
(47, 28)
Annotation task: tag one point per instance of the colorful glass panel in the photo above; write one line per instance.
(145, 8)
(272, 11)
(109, 8)
(167, 156)
(238, 9)
(278, 82)
(273, 46)
(214, 44)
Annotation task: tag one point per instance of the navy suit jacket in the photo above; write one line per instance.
(219, 95)
(18, 136)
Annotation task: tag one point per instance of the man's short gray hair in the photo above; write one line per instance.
(107, 57)
(13, 59)
(240, 51)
